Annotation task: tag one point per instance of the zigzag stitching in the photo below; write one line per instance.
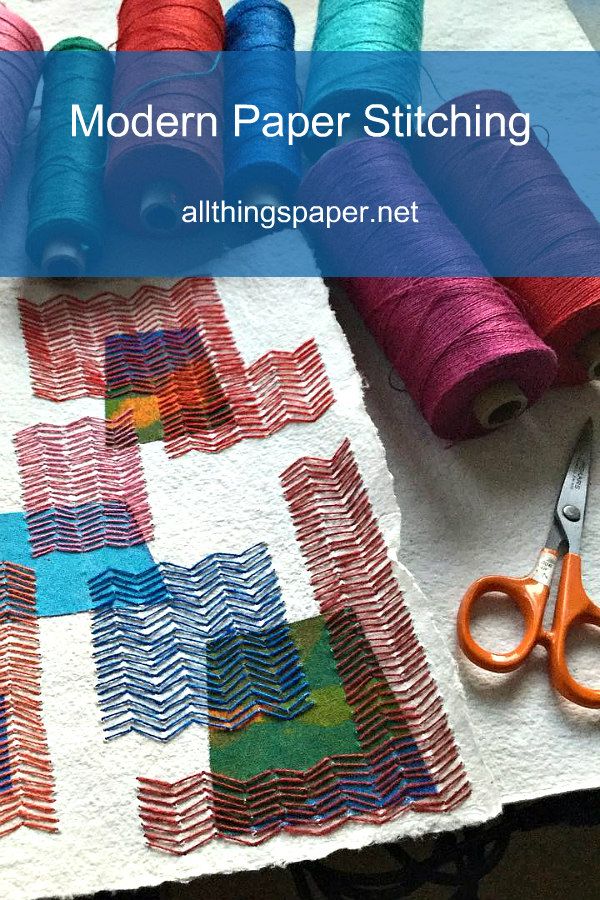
(180, 817)
(350, 567)
(27, 797)
(65, 339)
(208, 404)
(208, 645)
(408, 750)
(278, 389)
(83, 485)
(65, 336)
(375, 786)
(141, 362)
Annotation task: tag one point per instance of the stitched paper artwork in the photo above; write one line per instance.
(66, 336)
(242, 662)
(83, 486)
(206, 645)
(169, 356)
(26, 782)
(350, 756)
(375, 740)
(158, 375)
(62, 578)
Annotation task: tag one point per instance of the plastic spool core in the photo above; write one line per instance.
(589, 354)
(63, 259)
(263, 196)
(160, 207)
(499, 404)
(353, 132)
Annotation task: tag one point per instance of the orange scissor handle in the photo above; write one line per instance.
(573, 607)
(530, 597)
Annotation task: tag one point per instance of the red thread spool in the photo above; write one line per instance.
(565, 312)
(176, 25)
(147, 180)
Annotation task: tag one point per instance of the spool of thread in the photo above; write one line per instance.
(19, 76)
(148, 181)
(262, 171)
(485, 185)
(464, 351)
(338, 84)
(66, 210)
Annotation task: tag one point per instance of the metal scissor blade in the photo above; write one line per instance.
(570, 507)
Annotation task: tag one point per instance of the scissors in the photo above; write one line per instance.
(573, 606)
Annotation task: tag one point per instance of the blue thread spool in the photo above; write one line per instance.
(66, 209)
(260, 170)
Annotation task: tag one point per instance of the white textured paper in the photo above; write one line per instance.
(484, 507)
(201, 503)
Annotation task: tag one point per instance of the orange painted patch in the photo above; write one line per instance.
(145, 410)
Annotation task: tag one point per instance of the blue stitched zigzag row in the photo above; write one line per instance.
(207, 645)
(143, 362)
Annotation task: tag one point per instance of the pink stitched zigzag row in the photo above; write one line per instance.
(83, 485)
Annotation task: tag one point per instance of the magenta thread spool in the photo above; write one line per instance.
(521, 214)
(466, 354)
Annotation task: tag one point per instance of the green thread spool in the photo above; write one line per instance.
(336, 85)
(66, 207)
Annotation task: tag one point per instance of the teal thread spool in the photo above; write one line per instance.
(66, 207)
(337, 84)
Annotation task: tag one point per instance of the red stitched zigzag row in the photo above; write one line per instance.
(83, 485)
(65, 340)
(26, 783)
(350, 568)
(65, 336)
(278, 389)
(180, 817)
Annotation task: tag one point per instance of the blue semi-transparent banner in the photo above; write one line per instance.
(436, 164)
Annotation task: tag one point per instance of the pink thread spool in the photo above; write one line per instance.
(463, 349)
(19, 78)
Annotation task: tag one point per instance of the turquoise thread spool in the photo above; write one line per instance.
(337, 85)
(66, 208)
